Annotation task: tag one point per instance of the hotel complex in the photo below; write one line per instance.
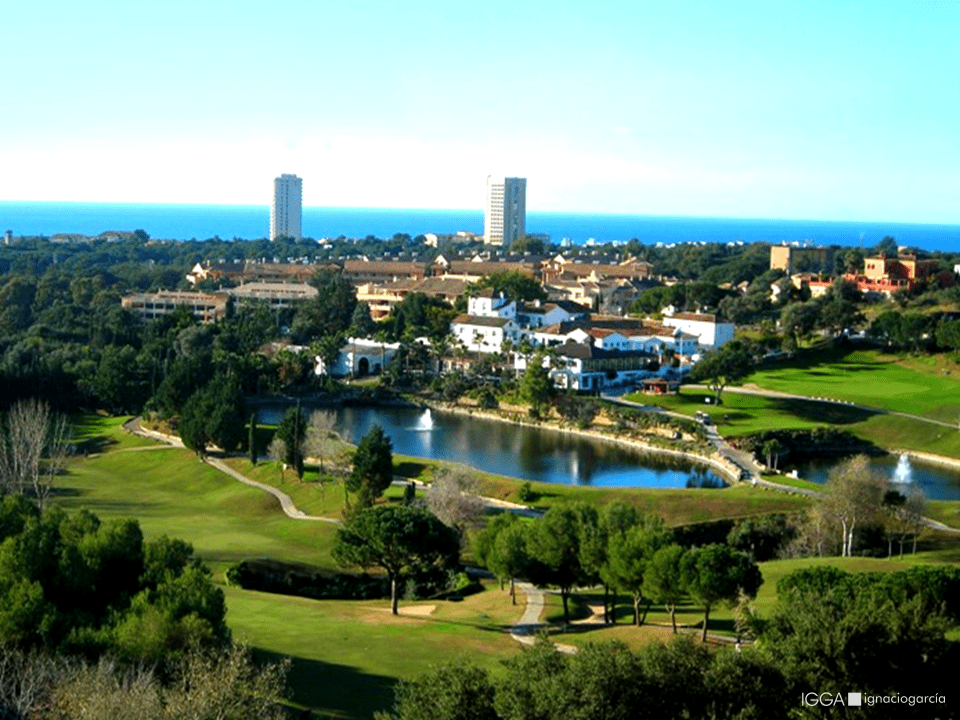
(505, 219)
(286, 212)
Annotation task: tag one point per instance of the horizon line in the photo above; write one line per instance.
(480, 211)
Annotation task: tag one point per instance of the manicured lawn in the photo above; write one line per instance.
(171, 492)
(96, 433)
(749, 414)
(348, 655)
(925, 385)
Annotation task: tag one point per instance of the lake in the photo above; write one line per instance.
(938, 482)
(519, 451)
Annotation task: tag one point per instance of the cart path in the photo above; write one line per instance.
(286, 502)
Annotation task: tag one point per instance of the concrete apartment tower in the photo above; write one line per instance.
(286, 213)
(505, 219)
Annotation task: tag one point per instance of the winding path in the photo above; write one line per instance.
(286, 502)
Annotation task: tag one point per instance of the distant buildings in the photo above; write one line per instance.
(505, 219)
(796, 258)
(206, 307)
(286, 212)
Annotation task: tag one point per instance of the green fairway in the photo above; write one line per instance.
(742, 414)
(171, 492)
(347, 655)
(928, 386)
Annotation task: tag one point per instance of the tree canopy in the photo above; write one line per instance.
(372, 470)
(400, 539)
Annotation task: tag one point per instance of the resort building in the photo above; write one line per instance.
(277, 295)
(505, 218)
(286, 212)
(582, 366)
(800, 258)
(484, 334)
(150, 306)
(359, 358)
(710, 332)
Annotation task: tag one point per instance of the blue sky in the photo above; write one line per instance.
(820, 110)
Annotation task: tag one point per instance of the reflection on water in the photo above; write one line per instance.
(517, 451)
(937, 482)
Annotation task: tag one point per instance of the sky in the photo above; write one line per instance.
(827, 110)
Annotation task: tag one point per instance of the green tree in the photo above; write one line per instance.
(616, 520)
(663, 580)
(878, 632)
(509, 557)
(361, 323)
(252, 439)
(292, 430)
(719, 368)
(798, 321)
(458, 691)
(400, 539)
(536, 387)
(330, 313)
(772, 449)
(948, 334)
(631, 553)
(716, 573)
(514, 285)
(839, 307)
(372, 470)
(553, 545)
(853, 496)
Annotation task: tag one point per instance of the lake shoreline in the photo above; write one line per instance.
(730, 474)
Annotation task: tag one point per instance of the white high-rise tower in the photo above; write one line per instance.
(505, 219)
(286, 213)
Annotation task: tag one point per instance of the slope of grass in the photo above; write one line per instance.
(924, 385)
(348, 655)
(171, 492)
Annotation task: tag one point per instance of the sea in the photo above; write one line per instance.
(250, 222)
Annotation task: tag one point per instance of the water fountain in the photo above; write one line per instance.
(903, 474)
(425, 421)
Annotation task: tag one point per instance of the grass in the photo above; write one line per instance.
(921, 385)
(926, 386)
(348, 655)
(657, 626)
(171, 492)
(749, 414)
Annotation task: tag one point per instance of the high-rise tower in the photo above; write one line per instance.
(505, 219)
(286, 213)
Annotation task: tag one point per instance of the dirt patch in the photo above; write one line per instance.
(595, 617)
(411, 610)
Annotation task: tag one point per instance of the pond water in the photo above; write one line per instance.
(517, 451)
(938, 482)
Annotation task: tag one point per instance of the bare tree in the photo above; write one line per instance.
(854, 495)
(26, 679)
(278, 451)
(816, 536)
(33, 450)
(316, 444)
(455, 498)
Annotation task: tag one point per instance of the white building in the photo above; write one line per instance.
(487, 303)
(484, 334)
(584, 366)
(359, 358)
(505, 219)
(286, 212)
(710, 334)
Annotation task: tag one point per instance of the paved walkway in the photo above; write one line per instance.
(286, 502)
